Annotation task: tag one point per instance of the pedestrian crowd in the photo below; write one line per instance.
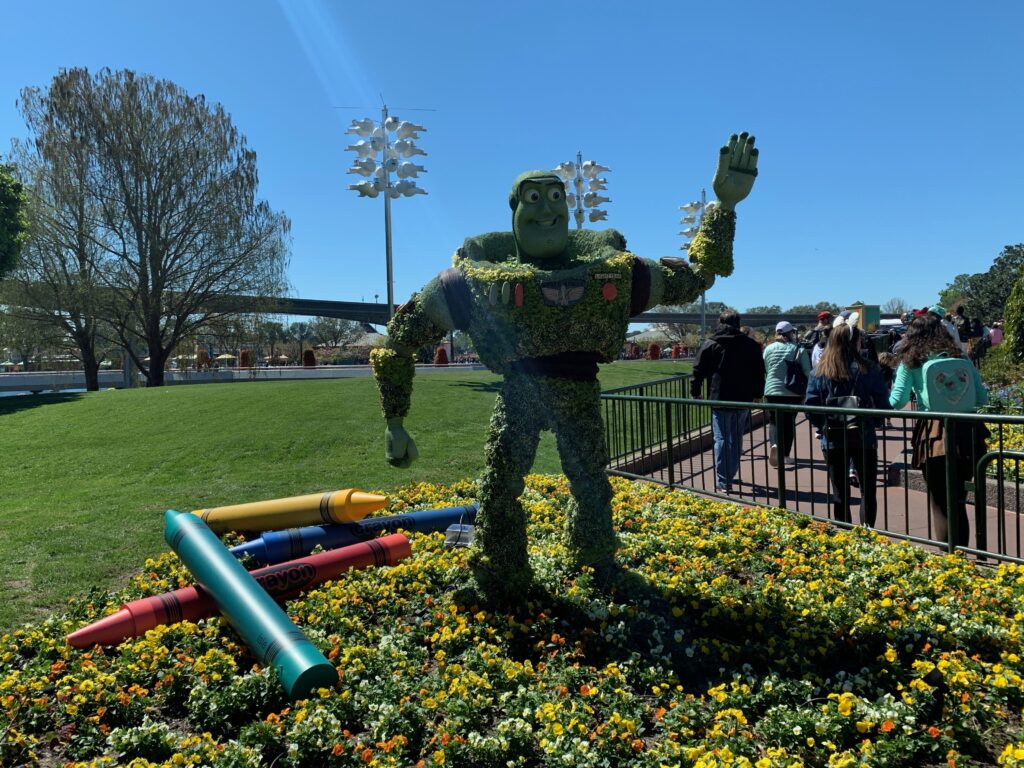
(932, 360)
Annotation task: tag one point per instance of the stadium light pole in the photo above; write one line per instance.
(379, 153)
(583, 182)
(694, 213)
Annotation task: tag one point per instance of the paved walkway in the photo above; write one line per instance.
(901, 509)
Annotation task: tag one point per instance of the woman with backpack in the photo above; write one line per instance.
(783, 358)
(844, 378)
(932, 367)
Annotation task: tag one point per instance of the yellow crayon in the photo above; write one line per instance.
(347, 506)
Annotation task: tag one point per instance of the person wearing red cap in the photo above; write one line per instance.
(816, 338)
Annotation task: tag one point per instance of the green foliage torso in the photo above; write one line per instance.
(521, 310)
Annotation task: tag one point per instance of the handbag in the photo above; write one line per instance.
(796, 379)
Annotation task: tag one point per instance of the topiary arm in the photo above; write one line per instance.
(424, 319)
(711, 250)
(670, 281)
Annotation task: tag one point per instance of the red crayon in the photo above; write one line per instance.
(282, 581)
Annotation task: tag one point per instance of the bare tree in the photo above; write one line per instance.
(895, 306)
(25, 333)
(58, 274)
(177, 195)
(333, 332)
(680, 332)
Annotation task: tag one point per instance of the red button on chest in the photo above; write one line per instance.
(609, 291)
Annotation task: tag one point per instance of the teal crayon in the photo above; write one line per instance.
(262, 624)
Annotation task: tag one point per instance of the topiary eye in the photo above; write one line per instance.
(531, 196)
(554, 194)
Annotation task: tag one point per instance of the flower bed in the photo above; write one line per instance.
(735, 637)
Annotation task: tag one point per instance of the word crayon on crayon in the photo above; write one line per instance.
(345, 506)
(265, 628)
(278, 546)
(281, 582)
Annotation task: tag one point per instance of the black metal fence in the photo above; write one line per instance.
(668, 438)
(635, 433)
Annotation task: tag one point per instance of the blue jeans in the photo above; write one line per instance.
(728, 427)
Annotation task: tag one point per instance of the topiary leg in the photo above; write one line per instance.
(499, 558)
(576, 413)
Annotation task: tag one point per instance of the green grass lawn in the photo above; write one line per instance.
(85, 478)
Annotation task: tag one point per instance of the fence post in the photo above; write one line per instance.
(668, 445)
(780, 428)
(952, 498)
(981, 505)
(643, 419)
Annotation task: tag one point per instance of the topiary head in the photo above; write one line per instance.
(540, 215)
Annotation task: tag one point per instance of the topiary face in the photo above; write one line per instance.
(540, 216)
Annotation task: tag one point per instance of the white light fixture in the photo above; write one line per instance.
(364, 166)
(362, 148)
(566, 170)
(362, 127)
(365, 189)
(407, 130)
(379, 156)
(695, 210)
(408, 188)
(582, 184)
(409, 170)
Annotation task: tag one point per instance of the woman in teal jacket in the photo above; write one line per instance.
(926, 340)
(775, 356)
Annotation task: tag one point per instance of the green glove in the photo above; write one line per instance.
(398, 445)
(737, 169)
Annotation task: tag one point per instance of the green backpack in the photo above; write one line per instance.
(949, 385)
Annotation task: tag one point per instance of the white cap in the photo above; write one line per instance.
(783, 327)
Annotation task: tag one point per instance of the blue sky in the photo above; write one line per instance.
(889, 132)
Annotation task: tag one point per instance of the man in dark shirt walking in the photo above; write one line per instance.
(733, 367)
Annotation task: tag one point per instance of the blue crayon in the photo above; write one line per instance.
(278, 546)
(262, 624)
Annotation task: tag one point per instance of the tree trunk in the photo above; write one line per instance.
(155, 375)
(85, 339)
(91, 367)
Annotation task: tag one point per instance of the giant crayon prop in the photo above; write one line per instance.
(344, 506)
(264, 627)
(278, 546)
(281, 582)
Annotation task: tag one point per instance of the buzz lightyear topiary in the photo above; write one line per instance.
(544, 305)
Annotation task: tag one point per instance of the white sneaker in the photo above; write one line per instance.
(773, 456)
